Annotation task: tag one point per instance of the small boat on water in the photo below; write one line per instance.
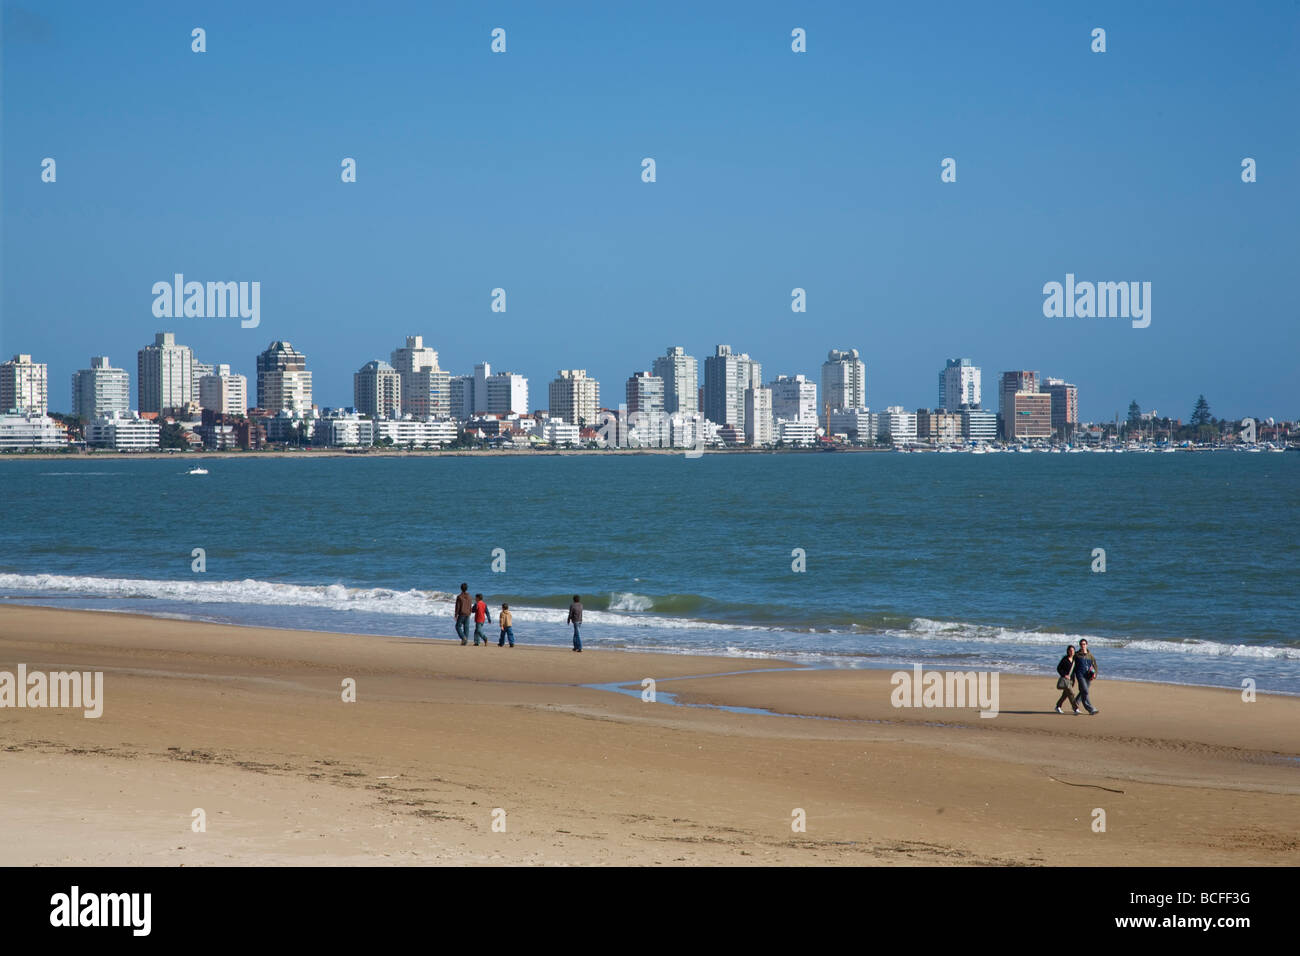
(196, 470)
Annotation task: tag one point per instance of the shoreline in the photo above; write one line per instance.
(773, 656)
(248, 725)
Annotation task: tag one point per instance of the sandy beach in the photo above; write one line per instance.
(250, 726)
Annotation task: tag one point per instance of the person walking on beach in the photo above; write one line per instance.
(1063, 683)
(464, 606)
(575, 618)
(506, 619)
(1085, 672)
(480, 615)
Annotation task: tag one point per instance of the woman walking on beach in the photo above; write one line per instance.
(1066, 669)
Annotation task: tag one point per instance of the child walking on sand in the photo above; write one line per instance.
(506, 619)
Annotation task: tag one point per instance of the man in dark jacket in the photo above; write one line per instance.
(1085, 672)
(464, 605)
(575, 618)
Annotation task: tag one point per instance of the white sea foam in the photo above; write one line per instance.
(627, 601)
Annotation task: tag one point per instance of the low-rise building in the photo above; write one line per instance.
(31, 432)
(123, 433)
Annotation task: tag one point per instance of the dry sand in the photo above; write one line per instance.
(249, 725)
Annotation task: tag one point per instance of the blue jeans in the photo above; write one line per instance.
(478, 632)
(507, 632)
(462, 627)
(577, 639)
(1083, 693)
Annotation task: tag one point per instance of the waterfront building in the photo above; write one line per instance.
(377, 390)
(896, 426)
(100, 390)
(857, 424)
(1065, 407)
(1031, 416)
(164, 375)
(426, 388)
(574, 398)
(645, 393)
(1008, 386)
(794, 399)
(681, 381)
(223, 392)
(727, 376)
(31, 432)
(938, 426)
(844, 380)
(123, 432)
(978, 425)
(758, 416)
(959, 385)
(283, 382)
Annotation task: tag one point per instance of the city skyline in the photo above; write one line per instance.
(513, 188)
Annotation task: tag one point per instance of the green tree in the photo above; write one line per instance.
(1201, 413)
(1134, 414)
(172, 436)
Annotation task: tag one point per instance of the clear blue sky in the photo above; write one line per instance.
(775, 170)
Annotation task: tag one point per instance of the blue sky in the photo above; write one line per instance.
(775, 170)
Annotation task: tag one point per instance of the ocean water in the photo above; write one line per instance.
(978, 562)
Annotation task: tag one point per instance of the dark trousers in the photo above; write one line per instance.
(1083, 694)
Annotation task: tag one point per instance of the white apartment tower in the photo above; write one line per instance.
(758, 416)
(844, 380)
(283, 382)
(959, 385)
(100, 390)
(224, 393)
(24, 386)
(726, 377)
(681, 377)
(426, 389)
(574, 398)
(164, 374)
(377, 390)
(794, 399)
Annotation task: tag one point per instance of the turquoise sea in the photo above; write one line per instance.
(947, 560)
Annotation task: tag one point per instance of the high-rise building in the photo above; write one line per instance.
(1008, 386)
(224, 393)
(844, 380)
(164, 374)
(1065, 406)
(1031, 415)
(283, 381)
(507, 394)
(24, 386)
(646, 393)
(959, 385)
(461, 389)
(794, 399)
(100, 390)
(758, 416)
(726, 377)
(426, 389)
(681, 377)
(377, 390)
(197, 371)
(574, 398)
